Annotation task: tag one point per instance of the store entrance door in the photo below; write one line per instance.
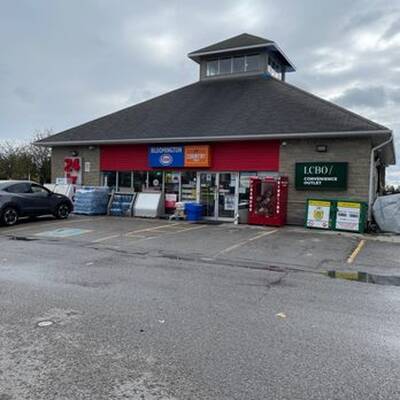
(218, 192)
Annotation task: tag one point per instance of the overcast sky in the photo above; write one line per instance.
(64, 62)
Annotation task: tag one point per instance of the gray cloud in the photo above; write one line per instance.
(375, 96)
(66, 62)
(369, 97)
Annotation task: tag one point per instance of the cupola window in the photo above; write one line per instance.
(233, 65)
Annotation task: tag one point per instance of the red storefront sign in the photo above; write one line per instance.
(256, 155)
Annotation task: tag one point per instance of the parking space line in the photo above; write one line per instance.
(169, 233)
(244, 242)
(154, 228)
(103, 239)
(356, 251)
(187, 229)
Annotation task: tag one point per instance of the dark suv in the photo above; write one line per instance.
(29, 199)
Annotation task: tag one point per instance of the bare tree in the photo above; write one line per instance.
(41, 156)
(26, 160)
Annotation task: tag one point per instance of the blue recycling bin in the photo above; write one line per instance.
(194, 212)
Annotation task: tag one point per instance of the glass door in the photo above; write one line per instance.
(208, 193)
(227, 194)
(217, 191)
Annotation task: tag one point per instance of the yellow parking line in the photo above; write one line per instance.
(185, 230)
(356, 251)
(103, 239)
(154, 228)
(244, 242)
(169, 233)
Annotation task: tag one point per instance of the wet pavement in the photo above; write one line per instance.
(112, 308)
(291, 247)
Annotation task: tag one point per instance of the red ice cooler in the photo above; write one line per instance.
(268, 200)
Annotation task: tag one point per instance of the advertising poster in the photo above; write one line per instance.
(229, 202)
(72, 170)
(318, 214)
(348, 216)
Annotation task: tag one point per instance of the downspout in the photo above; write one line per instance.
(371, 176)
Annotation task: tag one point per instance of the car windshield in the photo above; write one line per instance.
(5, 184)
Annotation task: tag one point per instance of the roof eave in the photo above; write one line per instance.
(378, 135)
(388, 152)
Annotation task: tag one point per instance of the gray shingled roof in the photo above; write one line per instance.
(254, 107)
(242, 40)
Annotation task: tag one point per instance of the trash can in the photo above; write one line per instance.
(194, 212)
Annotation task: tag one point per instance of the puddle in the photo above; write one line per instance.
(365, 277)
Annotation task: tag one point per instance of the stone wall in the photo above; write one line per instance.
(92, 155)
(354, 151)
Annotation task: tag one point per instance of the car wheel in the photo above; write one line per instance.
(9, 217)
(62, 211)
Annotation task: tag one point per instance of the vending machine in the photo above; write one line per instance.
(268, 200)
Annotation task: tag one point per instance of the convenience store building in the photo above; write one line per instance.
(203, 142)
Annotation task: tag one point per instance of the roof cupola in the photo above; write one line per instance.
(242, 55)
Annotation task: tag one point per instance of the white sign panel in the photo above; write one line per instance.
(319, 213)
(348, 216)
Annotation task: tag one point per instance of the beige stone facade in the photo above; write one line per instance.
(354, 151)
(87, 154)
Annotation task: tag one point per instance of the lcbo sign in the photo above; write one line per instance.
(321, 175)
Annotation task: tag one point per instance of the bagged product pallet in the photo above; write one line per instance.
(91, 200)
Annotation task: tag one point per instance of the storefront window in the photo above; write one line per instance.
(267, 173)
(244, 187)
(188, 186)
(155, 181)
(124, 181)
(139, 181)
(110, 179)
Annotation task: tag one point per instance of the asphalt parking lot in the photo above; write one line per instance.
(114, 308)
(242, 245)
